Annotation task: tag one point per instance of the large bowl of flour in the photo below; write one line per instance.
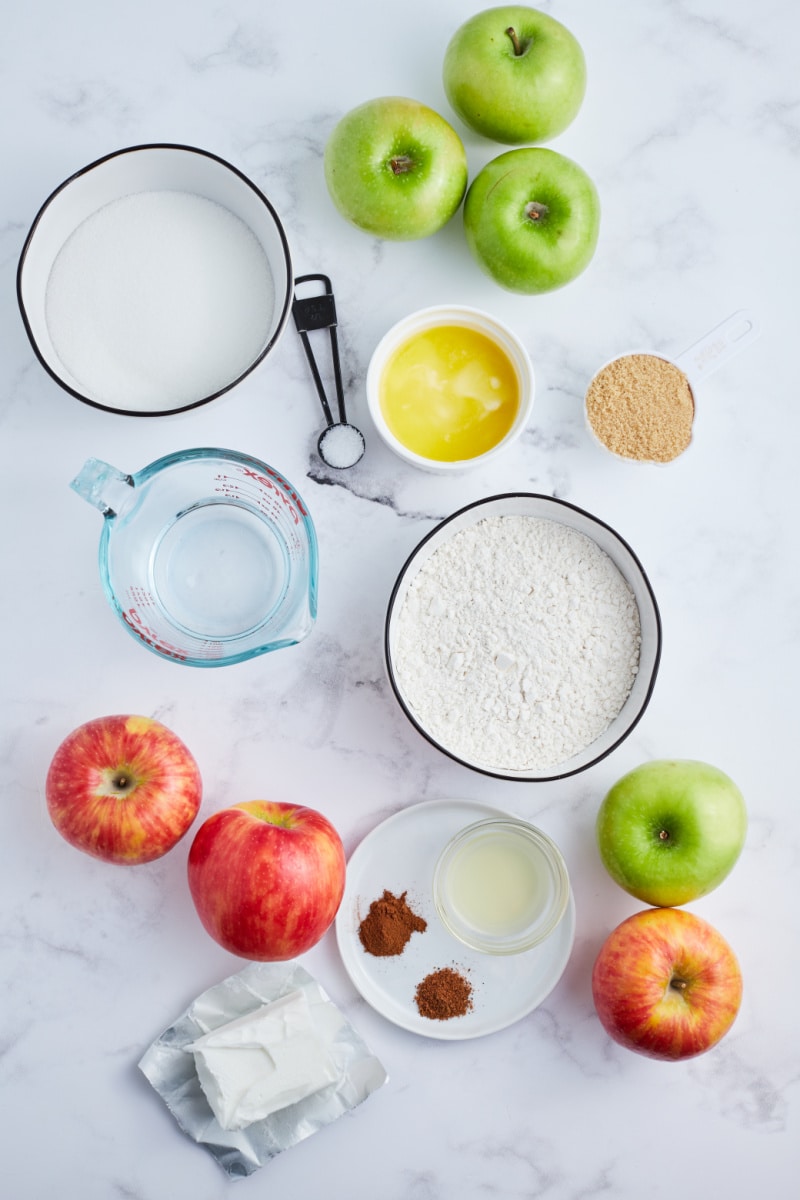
(523, 638)
(154, 279)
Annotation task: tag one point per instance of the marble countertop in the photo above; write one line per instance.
(691, 130)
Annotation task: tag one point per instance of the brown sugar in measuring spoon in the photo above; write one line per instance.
(641, 406)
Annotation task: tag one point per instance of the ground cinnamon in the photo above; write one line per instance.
(444, 994)
(388, 925)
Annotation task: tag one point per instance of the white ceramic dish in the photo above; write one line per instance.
(470, 318)
(156, 168)
(621, 554)
(400, 855)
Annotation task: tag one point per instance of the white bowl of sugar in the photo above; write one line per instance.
(523, 638)
(154, 280)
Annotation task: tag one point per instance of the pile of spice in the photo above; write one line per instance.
(386, 931)
(444, 994)
(389, 924)
(640, 406)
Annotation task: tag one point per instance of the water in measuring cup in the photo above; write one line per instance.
(218, 571)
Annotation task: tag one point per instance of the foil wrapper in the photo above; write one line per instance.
(170, 1069)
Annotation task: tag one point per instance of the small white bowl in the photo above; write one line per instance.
(159, 168)
(469, 318)
(545, 507)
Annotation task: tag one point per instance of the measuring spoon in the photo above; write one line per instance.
(341, 445)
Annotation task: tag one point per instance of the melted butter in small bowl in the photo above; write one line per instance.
(448, 387)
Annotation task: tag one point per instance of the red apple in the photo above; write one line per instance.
(266, 878)
(666, 984)
(123, 788)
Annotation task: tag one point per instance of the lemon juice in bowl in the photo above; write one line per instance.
(501, 886)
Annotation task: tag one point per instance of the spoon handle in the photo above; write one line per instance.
(717, 346)
(319, 312)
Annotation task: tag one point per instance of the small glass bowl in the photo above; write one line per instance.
(501, 886)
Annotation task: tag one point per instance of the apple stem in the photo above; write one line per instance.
(519, 47)
(122, 782)
(536, 211)
(679, 985)
(401, 163)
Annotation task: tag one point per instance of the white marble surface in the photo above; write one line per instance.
(691, 129)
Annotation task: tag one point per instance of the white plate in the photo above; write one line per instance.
(398, 856)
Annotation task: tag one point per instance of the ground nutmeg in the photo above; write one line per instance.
(444, 994)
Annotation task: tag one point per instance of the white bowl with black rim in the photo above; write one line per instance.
(154, 279)
(423, 700)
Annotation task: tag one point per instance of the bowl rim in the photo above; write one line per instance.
(287, 300)
(554, 774)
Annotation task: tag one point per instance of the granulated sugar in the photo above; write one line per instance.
(159, 300)
(517, 643)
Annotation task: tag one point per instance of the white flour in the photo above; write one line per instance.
(517, 643)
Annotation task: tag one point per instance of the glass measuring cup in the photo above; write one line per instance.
(207, 556)
(641, 406)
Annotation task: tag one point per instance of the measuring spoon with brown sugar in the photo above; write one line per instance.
(641, 405)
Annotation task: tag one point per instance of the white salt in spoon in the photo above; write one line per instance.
(341, 445)
(702, 359)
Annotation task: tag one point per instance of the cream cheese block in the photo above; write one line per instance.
(264, 1061)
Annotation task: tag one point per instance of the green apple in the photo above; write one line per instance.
(514, 74)
(395, 168)
(671, 830)
(532, 218)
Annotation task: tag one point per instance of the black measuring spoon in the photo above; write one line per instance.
(340, 445)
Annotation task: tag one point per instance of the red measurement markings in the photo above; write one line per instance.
(134, 621)
(286, 495)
